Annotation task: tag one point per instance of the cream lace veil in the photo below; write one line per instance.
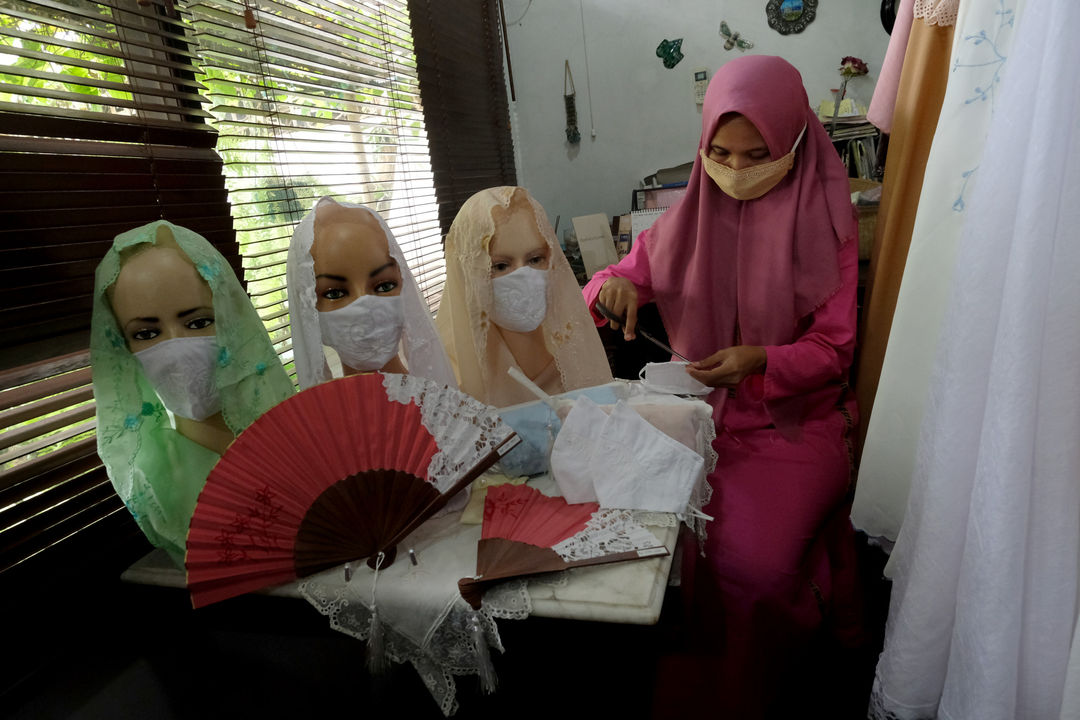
(156, 471)
(480, 356)
(421, 349)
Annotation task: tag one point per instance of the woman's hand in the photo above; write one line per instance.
(620, 296)
(728, 367)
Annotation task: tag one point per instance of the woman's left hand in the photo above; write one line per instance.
(728, 367)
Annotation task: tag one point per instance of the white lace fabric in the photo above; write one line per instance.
(424, 619)
(608, 531)
(421, 349)
(465, 429)
(476, 348)
(937, 12)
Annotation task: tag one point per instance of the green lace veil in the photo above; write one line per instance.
(158, 472)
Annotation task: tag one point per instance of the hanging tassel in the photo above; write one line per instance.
(377, 661)
(484, 667)
(573, 135)
(249, 17)
(376, 646)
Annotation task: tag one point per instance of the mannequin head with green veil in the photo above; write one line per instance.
(181, 365)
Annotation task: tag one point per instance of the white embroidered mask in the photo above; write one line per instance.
(671, 378)
(520, 299)
(752, 182)
(627, 462)
(571, 454)
(181, 371)
(366, 332)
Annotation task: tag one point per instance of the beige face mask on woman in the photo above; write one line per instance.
(752, 182)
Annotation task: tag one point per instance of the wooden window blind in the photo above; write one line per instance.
(459, 56)
(317, 98)
(101, 130)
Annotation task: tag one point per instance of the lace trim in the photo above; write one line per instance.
(703, 492)
(448, 649)
(608, 531)
(937, 12)
(656, 519)
(465, 429)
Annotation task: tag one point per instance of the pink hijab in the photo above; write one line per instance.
(765, 264)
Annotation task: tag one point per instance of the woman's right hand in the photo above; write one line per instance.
(620, 296)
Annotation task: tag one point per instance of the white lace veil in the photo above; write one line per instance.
(421, 350)
(480, 357)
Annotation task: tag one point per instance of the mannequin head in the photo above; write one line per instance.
(352, 258)
(516, 242)
(511, 299)
(159, 295)
(355, 278)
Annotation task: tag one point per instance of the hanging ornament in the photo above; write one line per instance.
(573, 135)
(249, 17)
(733, 39)
(670, 51)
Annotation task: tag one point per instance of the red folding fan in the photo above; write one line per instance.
(339, 472)
(526, 532)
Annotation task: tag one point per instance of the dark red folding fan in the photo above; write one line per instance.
(526, 532)
(338, 472)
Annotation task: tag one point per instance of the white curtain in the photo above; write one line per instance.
(986, 564)
(982, 45)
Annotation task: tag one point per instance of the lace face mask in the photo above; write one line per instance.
(181, 371)
(752, 182)
(366, 332)
(520, 299)
(621, 461)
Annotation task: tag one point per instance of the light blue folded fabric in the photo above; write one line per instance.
(537, 425)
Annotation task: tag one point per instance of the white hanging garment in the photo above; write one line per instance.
(985, 569)
(980, 56)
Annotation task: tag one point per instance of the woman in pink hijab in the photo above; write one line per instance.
(754, 272)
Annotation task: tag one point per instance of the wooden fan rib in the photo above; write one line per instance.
(351, 519)
(439, 502)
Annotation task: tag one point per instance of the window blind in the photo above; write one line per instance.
(316, 98)
(459, 54)
(101, 130)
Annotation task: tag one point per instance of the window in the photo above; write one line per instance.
(317, 98)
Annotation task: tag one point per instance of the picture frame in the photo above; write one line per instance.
(790, 16)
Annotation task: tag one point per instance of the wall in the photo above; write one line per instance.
(644, 114)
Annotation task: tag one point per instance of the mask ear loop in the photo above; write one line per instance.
(548, 400)
(799, 139)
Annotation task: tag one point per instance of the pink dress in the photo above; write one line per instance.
(779, 555)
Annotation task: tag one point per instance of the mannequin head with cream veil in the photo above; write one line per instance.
(350, 289)
(511, 300)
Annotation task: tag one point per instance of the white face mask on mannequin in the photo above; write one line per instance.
(366, 332)
(520, 299)
(181, 371)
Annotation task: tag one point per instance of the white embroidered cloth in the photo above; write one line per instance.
(423, 615)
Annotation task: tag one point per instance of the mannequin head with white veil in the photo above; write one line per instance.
(511, 300)
(350, 289)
